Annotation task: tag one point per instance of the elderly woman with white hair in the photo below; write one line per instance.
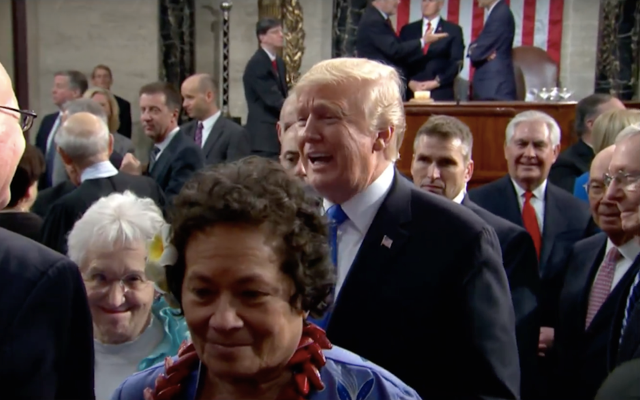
(133, 327)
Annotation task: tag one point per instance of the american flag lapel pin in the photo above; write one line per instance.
(386, 242)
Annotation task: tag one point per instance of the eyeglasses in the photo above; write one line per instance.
(100, 283)
(26, 117)
(595, 188)
(627, 180)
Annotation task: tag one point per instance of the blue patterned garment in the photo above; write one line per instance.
(346, 377)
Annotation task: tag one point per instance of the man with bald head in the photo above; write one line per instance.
(220, 139)
(593, 287)
(287, 135)
(45, 323)
(84, 143)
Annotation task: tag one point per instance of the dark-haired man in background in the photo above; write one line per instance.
(67, 85)
(265, 88)
(576, 160)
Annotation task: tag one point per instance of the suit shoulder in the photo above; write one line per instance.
(488, 189)
(187, 126)
(231, 125)
(122, 101)
(452, 26)
(568, 199)
(589, 243)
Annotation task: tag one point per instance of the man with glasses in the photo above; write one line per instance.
(45, 323)
(623, 182)
(592, 290)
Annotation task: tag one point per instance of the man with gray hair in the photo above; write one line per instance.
(84, 144)
(554, 218)
(67, 85)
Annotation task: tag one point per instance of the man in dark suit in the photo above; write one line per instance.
(174, 157)
(102, 77)
(45, 323)
(67, 85)
(594, 285)
(220, 139)
(437, 70)
(377, 40)
(576, 159)
(442, 165)
(84, 143)
(49, 196)
(405, 259)
(265, 88)
(554, 218)
(624, 188)
(490, 54)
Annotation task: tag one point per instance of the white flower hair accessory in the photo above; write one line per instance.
(160, 254)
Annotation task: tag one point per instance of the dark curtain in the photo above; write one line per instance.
(618, 42)
(346, 16)
(177, 33)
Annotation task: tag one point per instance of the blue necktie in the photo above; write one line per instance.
(337, 217)
(633, 298)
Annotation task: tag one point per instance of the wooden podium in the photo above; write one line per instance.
(488, 122)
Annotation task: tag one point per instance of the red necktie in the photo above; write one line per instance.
(602, 284)
(275, 66)
(426, 45)
(531, 221)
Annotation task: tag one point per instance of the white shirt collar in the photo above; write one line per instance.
(434, 23)
(167, 139)
(629, 250)
(362, 208)
(458, 199)
(384, 15)
(207, 125)
(538, 192)
(103, 169)
(271, 56)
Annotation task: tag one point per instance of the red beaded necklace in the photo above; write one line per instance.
(305, 364)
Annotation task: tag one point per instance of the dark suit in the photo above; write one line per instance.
(125, 117)
(566, 221)
(571, 163)
(521, 265)
(582, 351)
(264, 91)
(494, 79)
(65, 212)
(433, 305)
(443, 59)
(47, 197)
(175, 165)
(376, 40)
(46, 333)
(629, 345)
(42, 137)
(226, 142)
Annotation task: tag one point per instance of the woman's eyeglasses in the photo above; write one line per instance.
(26, 117)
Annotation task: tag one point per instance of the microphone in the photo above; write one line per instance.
(455, 92)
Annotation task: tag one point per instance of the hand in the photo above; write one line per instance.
(492, 56)
(430, 37)
(416, 86)
(131, 165)
(430, 85)
(545, 341)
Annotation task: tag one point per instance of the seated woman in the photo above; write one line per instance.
(133, 328)
(121, 144)
(17, 216)
(251, 262)
(603, 134)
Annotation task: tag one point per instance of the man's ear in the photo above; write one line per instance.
(65, 157)
(279, 129)
(383, 139)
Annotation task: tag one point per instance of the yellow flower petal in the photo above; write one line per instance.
(156, 248)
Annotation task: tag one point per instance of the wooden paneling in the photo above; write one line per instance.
(488, 122)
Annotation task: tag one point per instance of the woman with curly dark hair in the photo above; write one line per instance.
(247, 263)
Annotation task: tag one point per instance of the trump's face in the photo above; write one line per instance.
(340, 153)
(12, 141)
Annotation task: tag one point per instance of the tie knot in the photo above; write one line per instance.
(200, 126)
(336, 214)
(613, 255)
(528, 195)
(156, 150)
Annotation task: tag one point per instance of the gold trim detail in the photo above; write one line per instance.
(294, 36)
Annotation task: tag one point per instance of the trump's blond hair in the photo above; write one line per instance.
(378, 86)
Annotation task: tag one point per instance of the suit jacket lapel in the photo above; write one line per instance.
(631, 335)
(163, 162)
(509, 202)
(216, 133)
(384, 238)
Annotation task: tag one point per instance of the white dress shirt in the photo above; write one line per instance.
(207, 126)
(537, 201)
(167, 139)
(458, 199)
(272, 56)
(629, 252)
(52, 133)
(103, 169)
(361, 209)
(434, 24)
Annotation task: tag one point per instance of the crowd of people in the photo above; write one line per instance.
(230, 266)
